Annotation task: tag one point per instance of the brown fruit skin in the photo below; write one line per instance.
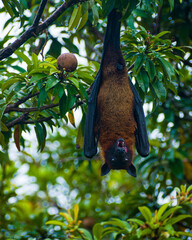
(88, 222)
(67, 61)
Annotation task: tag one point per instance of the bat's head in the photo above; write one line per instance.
(119, 157)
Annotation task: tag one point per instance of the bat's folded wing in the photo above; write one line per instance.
(142, 143)
(90, 141)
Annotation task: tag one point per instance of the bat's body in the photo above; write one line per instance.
(115, 115)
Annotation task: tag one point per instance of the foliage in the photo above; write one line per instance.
(157, 225)
(40, 104)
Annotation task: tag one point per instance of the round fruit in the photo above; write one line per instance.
(67, 61)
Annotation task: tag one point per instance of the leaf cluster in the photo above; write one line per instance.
(158, 225)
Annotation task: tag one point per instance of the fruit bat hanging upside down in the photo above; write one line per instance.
(115, 116)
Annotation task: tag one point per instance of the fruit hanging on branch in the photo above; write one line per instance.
(67, 62)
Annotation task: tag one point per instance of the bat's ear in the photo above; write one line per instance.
(105, 169)
(132, 170)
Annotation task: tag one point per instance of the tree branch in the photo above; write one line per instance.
(39, 13)
(32, 109)
(23, 119)
(35, 30)
(20, 101)
(18, 120)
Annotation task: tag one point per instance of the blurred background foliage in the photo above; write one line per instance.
(43, 170)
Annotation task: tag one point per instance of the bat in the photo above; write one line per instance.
(115, 118)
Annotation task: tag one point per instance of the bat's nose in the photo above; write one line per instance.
(121, 150)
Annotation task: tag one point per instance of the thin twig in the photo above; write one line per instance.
(35, 30)
(39, 13)
(129, 68)
(45, 119)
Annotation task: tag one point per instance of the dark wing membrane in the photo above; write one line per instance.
(90, 141)
(142, 143)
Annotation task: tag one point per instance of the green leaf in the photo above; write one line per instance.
(130, 7)
(170, 55)
(83, 91)
(55, 48)
(2, 142)
(97, 231)
(8, 8)
(189, 188)
(107, 6)
(150, 68)
(86, 77)
(56, 222)
(80, 134)
(23, 57)
(4, 156)
(18, 68)
(74, 81)
(51, 82)
(58, 90)
(2, 109)
(48, 65)
(173, 87)
(75, 17)
(159, 89)
(146, 213)
(146, 232)
(42, 97)
(37, 76)
(118, 223)
(95, 14)
(184, 234)
(162, 210)
(3, 127)
(83, 21)
(10, 82)
(140, 81)
(171, 3)
(139, 63)
(167, 68)
(40, 136)
(84, 7)
(135, 220)
(131, 54)
(178, 219)
(170, 229)
(44, 136)
(35, 60)
(162, 34)
(145, 79)
(183, 188)
(143, 232)
(177, 190)
(86, 234)
(109, 230)
(63, 105)
(70, 46)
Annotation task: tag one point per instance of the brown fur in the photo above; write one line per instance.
(115, 105)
